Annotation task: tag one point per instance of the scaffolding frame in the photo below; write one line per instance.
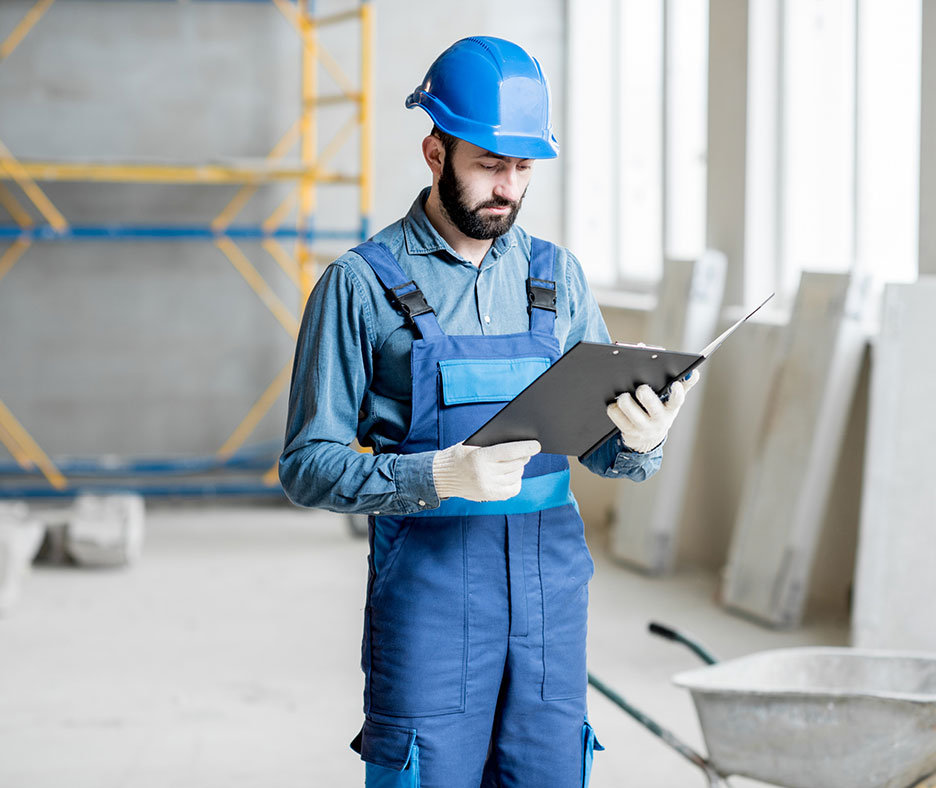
(299, 265)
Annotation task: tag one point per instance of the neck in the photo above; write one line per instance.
(471, 249)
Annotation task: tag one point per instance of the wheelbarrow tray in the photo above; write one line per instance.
(820, 717)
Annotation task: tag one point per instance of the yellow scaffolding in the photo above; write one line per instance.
(312, 171)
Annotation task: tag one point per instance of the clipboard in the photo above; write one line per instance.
(565, 407)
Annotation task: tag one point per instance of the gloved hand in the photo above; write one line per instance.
(489, 473)
(644, 428)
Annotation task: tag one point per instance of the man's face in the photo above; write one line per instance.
(481, 191)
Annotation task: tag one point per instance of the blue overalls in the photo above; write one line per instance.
(474, 626)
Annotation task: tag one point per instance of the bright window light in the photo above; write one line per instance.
(591, 147)
(686, 132)
(833, 140)
(625, 116)
(889, 40)
(817, 137)
(761, 237)
(640, 137)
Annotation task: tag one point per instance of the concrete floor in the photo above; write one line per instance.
(229, 657)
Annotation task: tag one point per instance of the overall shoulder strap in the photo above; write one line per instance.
(541, 286)
(404, 294)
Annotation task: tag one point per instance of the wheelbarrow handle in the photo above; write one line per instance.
(668, 737)
(664, 631)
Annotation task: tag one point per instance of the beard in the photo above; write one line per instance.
(469, 220)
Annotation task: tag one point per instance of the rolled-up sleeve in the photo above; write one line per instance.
(612, 459)
(332, 370)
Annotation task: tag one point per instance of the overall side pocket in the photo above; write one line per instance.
(390, 754)
(565, 569)
(590, 746)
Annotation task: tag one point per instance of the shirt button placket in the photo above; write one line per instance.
(485, 319)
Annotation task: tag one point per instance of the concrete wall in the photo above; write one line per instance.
(142, 348)
(927, 243)
(161, 348)
(727, 137)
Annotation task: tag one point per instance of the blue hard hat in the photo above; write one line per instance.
(491, 93)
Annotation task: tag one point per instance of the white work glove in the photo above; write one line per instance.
(644, 428)
(489, 473)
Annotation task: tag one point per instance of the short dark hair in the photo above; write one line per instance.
(448, 141)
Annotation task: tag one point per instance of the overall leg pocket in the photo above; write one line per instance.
(565, 569)
(417, 622)
(590, 746)
(391, 755)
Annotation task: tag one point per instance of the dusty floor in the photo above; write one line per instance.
(229, 657)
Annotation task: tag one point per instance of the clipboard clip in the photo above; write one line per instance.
(541, 294)
(412, 303)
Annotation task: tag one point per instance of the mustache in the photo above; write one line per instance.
(497, 202)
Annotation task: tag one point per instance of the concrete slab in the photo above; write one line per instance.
(105, 530)
(645, 524)
(894, 578)
(20, 538)
(787, 488)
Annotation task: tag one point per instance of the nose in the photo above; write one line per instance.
(508, 185)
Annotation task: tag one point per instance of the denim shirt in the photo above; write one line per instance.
(351, 376)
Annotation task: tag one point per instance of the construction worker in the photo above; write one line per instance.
(474, 626)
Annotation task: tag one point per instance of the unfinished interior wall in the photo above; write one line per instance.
(895, 582)
(927, 241)
(161, 348)
(130, 347)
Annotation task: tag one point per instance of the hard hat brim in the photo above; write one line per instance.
(487, 137)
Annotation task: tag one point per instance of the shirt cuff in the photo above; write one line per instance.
(635, 464)
(412, 474)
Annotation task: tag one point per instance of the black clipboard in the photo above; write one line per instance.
(565, 407)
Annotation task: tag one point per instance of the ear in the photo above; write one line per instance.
(434, 154)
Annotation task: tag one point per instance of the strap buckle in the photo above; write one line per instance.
(412, 303)
(541, 294)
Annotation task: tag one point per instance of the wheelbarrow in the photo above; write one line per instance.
(808, 717)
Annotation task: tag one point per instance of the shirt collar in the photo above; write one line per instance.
(422, 238)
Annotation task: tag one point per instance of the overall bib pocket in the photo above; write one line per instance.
(417, 622)
(472, 390)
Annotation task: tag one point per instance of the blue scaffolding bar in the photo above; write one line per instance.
(255, 458)
(105, 232)
(192, 490)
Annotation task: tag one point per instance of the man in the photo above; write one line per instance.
(474, 631)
